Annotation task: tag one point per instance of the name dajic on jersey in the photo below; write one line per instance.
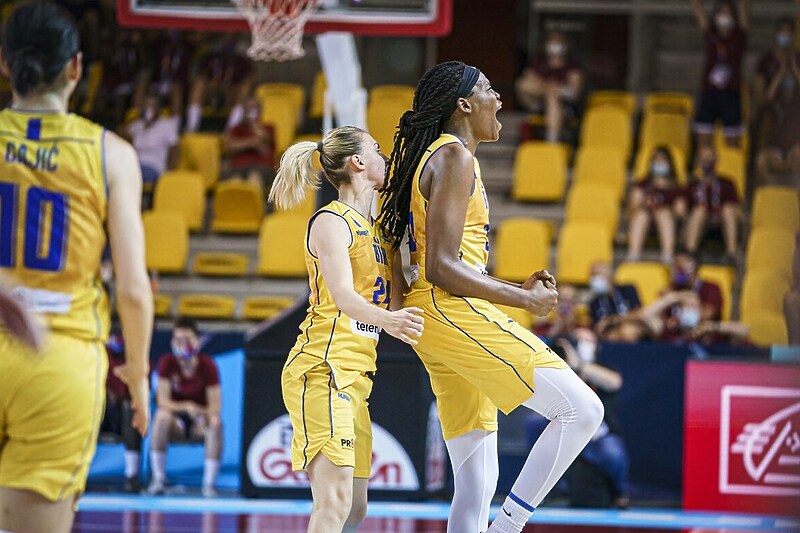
(40, 158)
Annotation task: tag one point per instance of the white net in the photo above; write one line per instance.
(277, 27)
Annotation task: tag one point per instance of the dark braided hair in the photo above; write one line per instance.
(434, 103)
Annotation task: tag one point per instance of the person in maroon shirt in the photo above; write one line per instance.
(189, 403)
(658, 197)
(712, 199)
(172, 61)
(250, 146)
(553, 83)
(721, 97)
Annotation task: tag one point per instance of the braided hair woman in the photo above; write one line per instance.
(478, 359)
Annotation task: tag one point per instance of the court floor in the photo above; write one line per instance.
(186, 514)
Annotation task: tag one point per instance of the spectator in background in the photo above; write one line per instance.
(189, 403)
(119, 413)
(608, 299)
(725, 34)
(155, 138)
(780, 110)
(250, 146)
(123, 84)
(658, 197)
(552, 84)
(712, 199)
(774, 60)
(224, 80)
(172, 61)
(566, 315)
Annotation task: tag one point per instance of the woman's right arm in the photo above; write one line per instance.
(134, 295)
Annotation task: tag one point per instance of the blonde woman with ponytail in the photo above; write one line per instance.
(327, 377)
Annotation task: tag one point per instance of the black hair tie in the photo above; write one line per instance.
(319, 146)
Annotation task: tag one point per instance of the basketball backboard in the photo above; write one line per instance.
(366, 17)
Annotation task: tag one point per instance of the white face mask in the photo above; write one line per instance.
(556, 49)
(599, 284)
(149, 115)
(724, 21)
(660, 169)
(586, 351)
(253, 114)
(689, 317)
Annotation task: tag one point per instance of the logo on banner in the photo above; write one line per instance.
(760, 441)
(269, 460)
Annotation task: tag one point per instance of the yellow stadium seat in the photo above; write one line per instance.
(668, 102)
(383, 118)
(607, 126)
(731, 163)
(220, 264)
(183, 192)
(599, 164)
(316, 107)
(305, 209)
(520, 316)
(777, 207)
(580, 244)
(162, 305)
(650, 279)
(264, 307)
(166, 241)
(622, 99)
(720, 142)
(209, 306)
(238, 207)
(595, 203)
(281, 246)
(671, 129)
(94, 78)
(540, 172)
(201, 152)
(641, 167)
(521, 248)
(295, 91)
(771, 249)
(768, 328)
(761, 291)
(724, 278)
(281, 112)
(402, 93)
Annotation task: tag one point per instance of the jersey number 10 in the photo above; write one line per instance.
(40, 251)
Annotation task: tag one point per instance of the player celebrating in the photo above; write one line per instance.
(62, 180)
(478, 359)
(326, 379)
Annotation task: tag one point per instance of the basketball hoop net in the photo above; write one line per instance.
(277, 27)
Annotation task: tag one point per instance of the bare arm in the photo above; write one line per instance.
(164, 400)
(399, 284)
(574, 85)
(134, 295)
(700, 15)
(451, 184)
(529, 87)
(214, 398)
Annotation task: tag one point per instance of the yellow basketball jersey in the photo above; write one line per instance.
(474, 248)
(328, 335)
(52, 216)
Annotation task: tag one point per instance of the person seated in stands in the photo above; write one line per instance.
(552, 84)
(774, 60)
(660, 199)
(188, 405)
(224, 81)
(250, 146)
(565, 317)
(608, 299)
(119, 414)
(123, 84)
(155, 137)
(713, 200)
(172, 63)
(781, 109)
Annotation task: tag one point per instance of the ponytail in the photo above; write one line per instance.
(295, 175)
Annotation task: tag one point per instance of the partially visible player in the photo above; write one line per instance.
(326, 380)
(63, 181)
(478, 359)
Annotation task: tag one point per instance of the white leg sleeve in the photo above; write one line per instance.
(475, 470)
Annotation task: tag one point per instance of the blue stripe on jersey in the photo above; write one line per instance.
(34, 132)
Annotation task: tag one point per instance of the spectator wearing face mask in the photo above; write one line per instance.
(607, 298)
(155, 138)
(725, 33)
(660, 199)
(189, 404)
(552, 84)
(250, 146)
(684, 278)
(778, 84)
(713, 200)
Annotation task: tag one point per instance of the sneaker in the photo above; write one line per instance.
(132, 485)
(209, 492)
(155, 488)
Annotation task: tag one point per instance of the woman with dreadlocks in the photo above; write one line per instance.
(478, 359)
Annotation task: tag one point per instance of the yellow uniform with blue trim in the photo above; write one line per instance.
(478, 358)
(325, 380)
(52, 217)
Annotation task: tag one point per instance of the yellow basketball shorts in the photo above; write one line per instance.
(478, 360)
(51, 405)
(332, 421)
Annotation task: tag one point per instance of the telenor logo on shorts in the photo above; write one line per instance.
(365, 330)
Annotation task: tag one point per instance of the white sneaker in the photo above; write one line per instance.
(209, 492)
(156, 487)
